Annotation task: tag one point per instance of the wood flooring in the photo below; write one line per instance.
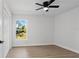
(48, 51)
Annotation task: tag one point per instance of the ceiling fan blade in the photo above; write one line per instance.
(38, 4)
(55, 6)
(51, 1)
(39, 8)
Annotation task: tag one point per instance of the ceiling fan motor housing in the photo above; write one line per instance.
(46, 4)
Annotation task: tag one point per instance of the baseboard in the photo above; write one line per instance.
(66, 48)
(32, 45)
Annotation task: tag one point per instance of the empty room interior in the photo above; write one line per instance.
(39, 28)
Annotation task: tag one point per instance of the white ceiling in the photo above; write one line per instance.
(28, 6)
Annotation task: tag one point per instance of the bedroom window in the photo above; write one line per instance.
(21, 29)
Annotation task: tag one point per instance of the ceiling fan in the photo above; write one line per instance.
(46, 5)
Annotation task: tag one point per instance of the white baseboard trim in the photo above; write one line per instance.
(66, 48)
(33, 45)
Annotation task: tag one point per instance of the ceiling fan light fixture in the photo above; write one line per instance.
(45, 8)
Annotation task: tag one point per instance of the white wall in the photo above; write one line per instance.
(67, 30)
(40, 30)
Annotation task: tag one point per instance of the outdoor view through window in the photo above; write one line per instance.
(21, 29)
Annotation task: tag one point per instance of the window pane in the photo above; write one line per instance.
(21, 29)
